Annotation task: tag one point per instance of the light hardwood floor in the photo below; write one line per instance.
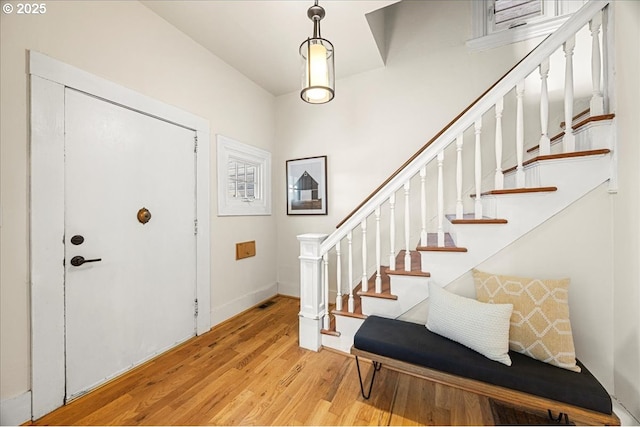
(250, 371)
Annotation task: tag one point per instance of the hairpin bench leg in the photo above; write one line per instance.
(558, 420)
(376, 367)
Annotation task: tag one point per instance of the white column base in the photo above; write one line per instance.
(309, 329)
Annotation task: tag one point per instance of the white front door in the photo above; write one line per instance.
(134, 294)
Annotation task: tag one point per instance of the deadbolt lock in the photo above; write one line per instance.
(144, 215)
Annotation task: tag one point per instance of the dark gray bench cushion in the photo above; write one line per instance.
(415, 344)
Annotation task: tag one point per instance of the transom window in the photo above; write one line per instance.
(500, 22)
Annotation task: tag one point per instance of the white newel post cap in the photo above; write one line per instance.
(312, 304)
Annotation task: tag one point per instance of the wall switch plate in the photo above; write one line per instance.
(245, 249)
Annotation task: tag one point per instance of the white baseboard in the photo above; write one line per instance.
(626, 419)
(289, 289)
(225, 311)
(16, 410)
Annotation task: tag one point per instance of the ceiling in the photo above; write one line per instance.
(260, 38)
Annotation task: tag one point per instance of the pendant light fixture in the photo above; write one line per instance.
(317, 63)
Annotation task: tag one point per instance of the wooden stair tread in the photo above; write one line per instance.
(357, 305)
(432, 244)
(332, 328)
(469, 218)
(385, 289)
(522, 190)
(416, 265)
(573, 154)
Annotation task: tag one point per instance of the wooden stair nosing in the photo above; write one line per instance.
(573, 154)
(469, 218)
(372, 293)
(522, 190)
(592, 119)
(480, 221)
(409, 273)
(357, 312)
(332, 331)
(576, 117)
(441, 249)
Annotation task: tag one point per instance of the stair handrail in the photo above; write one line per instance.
(464, 120)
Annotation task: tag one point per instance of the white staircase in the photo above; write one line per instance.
(414, 228)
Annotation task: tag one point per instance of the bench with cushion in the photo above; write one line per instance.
(411, 348)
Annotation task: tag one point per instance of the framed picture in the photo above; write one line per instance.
(307, 186)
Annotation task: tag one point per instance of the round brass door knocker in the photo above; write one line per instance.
(144, 215)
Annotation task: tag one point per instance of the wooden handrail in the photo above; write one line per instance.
(578, 19)
(425, 146)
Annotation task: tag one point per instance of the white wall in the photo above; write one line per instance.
(626, 206)
(126, 43)
(378, 119)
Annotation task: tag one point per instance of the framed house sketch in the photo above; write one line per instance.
(307, 186)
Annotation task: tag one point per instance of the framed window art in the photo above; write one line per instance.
(307, 186)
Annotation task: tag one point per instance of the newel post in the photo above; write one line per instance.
(312, 303)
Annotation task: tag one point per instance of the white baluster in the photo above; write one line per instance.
(365, 279)
(378, 273)
(478, 169)
(459, 205)
(440, 199)
(569, 140)
(499, 177)
(520, 182)
(325, 275)
(407, 227)
(545, 142)
(597, 102)
(338, 277)
(392, 231)
(423, 205)
(350, 302)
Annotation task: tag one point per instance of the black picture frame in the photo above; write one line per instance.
(307, 186)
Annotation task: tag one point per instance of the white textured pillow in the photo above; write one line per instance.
(480, 326)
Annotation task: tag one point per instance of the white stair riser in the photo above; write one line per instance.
(347, 326)
(410, 290)
(594, 135)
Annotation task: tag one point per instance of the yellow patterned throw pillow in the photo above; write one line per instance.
(540, 326)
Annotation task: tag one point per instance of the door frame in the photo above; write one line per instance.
(48, 80)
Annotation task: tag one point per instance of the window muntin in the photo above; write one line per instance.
(243, 180)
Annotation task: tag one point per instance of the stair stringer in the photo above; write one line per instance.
(575, 177)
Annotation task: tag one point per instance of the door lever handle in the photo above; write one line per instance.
(78, 260)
